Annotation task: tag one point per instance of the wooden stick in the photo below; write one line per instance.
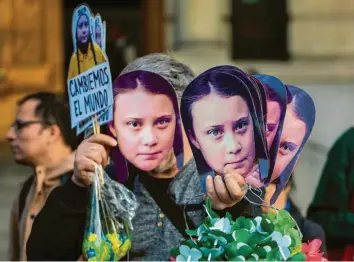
(95, 125)
(97, 130)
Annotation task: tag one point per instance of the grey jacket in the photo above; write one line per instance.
(154, 234)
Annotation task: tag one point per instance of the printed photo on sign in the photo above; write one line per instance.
(276, 98)
(104, 35)
(89, 76)
(98, 32)
(299, 121)
(98, 36)
(221, 123)
(146, 123)
(87, 53)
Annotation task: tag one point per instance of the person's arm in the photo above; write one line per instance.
(58, 230)
(331, 205)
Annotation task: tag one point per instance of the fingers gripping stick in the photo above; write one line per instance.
(98, 168)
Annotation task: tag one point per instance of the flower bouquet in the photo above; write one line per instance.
(108, 228)
(270, 237)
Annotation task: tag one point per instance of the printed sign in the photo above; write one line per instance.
(89, 76)
(90, 93)
(98, 33)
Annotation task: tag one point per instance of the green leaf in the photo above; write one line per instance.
(229, 238)
(174, 252)
(257, 239)
(219, 233)
(272, 244)
(286, 219)
(191, 232)
(215, 252)
(298, 257)
(267, 225)
(228, 215)
(190, 243)
(210, 211)
(240, 223)
(274, 255)
(260, 251)
(208, 222)
(201, 229)
(250, 224)
(231, 250)
(220, 240)
(207, 242)
(214, 220)
(238, 258)
(271, 216)
(253, 257)
(241, 235)
(245, 250)
(296, 240)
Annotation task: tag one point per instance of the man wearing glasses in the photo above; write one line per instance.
(40, 137)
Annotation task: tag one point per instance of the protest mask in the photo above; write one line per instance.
(146, 124)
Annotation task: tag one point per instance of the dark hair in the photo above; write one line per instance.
(255, 88)
(155, 84)
(304, 109)
(54, 111)
(90, 41)
(289, 96)
(225, 85)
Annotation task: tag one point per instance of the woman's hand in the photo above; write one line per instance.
(94, 150)
(225, 191)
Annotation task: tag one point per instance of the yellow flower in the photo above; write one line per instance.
(105, 253)
(124, 249)
(115, 250)
(114, 240)
(92, 237)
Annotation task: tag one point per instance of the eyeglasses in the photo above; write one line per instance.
(18, 124)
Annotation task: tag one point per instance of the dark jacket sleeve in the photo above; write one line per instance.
(311, 231)
(331, 206)
(57, 231)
